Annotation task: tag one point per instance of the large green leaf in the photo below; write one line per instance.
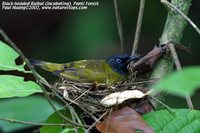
(14, 86)
(181, 121)
(55, 118)
(7, 58)
(180, 83)
(33, 108)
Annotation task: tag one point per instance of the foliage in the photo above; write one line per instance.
(14, 86)
(55, 118)
(7, 58)
(32, 108)
(180, 83)
(181, 120)
(11, 85)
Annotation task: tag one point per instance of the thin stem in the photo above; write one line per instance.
(33, 123)
(108, 120)
(80, 95)
(175, 57)
(97, 121)
(179, 68)
(182, 14)
(36, 77)
(91, 115)
(119, 26)
(189, 102)
(139, 82)
(163, 104)
(138, 27)
(73, 118)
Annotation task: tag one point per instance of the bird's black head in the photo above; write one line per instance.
(119, 62)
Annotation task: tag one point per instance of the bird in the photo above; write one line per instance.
(109, 71)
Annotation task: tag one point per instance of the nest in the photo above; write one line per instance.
(88, 96)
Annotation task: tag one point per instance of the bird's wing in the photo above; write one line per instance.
(88, 71)
(84, 70)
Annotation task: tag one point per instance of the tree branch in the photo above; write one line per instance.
(182, 14)
(172, 32)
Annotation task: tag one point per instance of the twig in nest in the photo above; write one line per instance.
(104, 114)
(138, 82)
(81, 95)
(109, 116)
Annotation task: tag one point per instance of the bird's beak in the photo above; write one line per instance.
(133, 58)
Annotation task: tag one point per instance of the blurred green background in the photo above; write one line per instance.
(63, 36)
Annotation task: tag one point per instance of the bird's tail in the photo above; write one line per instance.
(52, 67)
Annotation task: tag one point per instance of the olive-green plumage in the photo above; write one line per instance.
(102, 71)
(85, 71)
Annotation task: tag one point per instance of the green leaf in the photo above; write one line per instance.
(33, 108)
(55, 118)
(7, 58)
(181, 83)
(14, 86)
(182, 121)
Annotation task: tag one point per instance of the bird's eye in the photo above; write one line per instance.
(118, 60)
